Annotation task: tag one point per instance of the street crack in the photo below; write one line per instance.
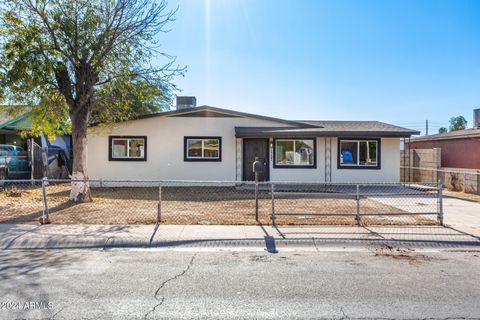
(56, 313)
(315, 244)
(164, 283)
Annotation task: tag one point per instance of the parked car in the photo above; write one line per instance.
(13, 162)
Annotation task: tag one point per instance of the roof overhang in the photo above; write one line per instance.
(20, 123)
(447, 137)
(282, 132)
(209, 111)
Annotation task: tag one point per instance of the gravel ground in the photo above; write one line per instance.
(194, 205)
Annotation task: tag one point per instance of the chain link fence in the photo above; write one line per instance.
(361, 204)
(224, 203)
(454, 179)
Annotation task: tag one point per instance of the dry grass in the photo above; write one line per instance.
(191, 205)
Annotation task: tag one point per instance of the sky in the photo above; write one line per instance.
(400, 62)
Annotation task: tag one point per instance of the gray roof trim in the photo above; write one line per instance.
(460, 134)
(360, 126)
(188, 111)
(335, 129)
(303, 128)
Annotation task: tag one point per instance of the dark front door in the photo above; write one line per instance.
(255, 148)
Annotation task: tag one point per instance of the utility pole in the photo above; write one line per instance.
(426, 127)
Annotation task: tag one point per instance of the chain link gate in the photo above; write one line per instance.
(356, 204)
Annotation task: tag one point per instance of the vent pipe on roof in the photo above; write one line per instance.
(184, 102)
(476, 118)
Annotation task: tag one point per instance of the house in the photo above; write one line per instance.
(209, 143)
(10, 135)
(458, 149)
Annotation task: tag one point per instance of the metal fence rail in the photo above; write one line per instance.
(222, 202)
(370, 204)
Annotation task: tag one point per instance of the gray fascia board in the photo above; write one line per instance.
(306, 134)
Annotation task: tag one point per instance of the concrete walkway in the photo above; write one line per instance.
(462, 214)
(462, 219)
(112, 236)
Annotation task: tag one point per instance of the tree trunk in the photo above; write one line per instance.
(80, 191)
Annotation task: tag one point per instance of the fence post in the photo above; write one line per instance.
(440, 202)
(44, 162)
(256, 198)
(357, 217)
(44, 218)
(159, 208)
(273, 203)
(32, 165)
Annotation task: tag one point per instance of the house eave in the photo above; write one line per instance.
(242, 132)
(186, 112)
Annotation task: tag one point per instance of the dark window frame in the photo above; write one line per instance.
(293, 166)
(361, 167)
(185, 149)
(110, 145)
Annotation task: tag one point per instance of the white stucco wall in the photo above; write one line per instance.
(165, 145)
(389, 166)
(165, 154)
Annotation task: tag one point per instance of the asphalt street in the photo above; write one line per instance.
(338, 283)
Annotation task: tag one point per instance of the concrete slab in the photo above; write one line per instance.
(324, 232)
(463, 215)
(269, 237)
(74, 236)
(207, 235)
(418, 204)
(10, 233)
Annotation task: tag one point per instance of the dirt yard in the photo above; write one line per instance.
(193, 205)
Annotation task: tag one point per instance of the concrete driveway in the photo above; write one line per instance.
(462, 215)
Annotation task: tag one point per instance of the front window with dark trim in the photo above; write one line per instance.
(294, 153)
(127, 148)
(203, 149)
(359, 153)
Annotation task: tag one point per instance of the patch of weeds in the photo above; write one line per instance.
(12, 192)
(402, 254)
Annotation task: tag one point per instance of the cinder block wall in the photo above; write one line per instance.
(424, 165)
(466, 180)
(427, 159)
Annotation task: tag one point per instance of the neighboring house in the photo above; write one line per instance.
(207, 143)
(459, 149)
(59, 149)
